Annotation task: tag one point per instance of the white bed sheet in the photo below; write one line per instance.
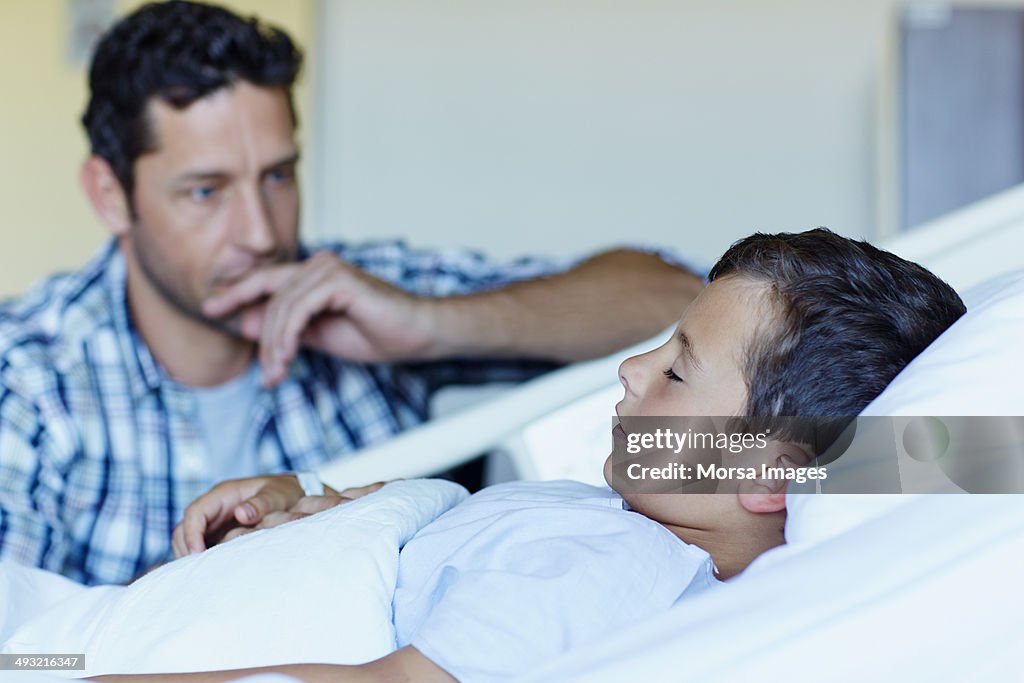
(315, 590)
(930, 590)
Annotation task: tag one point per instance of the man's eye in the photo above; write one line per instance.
(202, 194)
(280, 175)
(671, 374)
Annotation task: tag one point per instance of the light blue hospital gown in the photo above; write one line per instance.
(520, 573)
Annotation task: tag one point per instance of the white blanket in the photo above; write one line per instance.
(315, 590)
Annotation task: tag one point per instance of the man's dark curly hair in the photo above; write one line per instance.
(849, 317)
(178, 51)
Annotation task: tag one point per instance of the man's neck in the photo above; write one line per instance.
(193, 353)
(734, 549)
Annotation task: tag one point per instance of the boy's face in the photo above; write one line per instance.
(698, 372)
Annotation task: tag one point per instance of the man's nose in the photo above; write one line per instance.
(254, 227)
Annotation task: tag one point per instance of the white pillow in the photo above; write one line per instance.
(315, 590)
(974, 368)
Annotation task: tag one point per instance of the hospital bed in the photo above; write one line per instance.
(866, 588)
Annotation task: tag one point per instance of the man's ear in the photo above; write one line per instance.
(106, 195)
(767, 495)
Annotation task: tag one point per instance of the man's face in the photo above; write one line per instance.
(218, 195)
(698, 372)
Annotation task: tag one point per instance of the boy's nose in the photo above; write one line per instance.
(636, 372)
(627, 374)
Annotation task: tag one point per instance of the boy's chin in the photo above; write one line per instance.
(607, 471)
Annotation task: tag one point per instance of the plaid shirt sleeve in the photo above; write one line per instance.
(453, 271)
(31, 487)
(442, 272)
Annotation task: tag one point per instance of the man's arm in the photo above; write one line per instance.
(607, 302)
(400, 666)
(601, 305)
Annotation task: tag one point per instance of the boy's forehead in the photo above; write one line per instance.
(721, 322)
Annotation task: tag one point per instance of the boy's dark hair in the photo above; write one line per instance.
(178, 51)
(850, 317)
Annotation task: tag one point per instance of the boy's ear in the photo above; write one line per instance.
(767, 495)
(763, 502)
(106, 195)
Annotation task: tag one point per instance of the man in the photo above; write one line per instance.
(205, 343)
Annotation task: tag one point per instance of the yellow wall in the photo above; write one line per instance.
(45, 222)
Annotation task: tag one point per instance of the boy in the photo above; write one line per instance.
(808, 324)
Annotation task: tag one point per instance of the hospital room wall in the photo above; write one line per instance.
(45, 221)
(530, 126)
(519, 125)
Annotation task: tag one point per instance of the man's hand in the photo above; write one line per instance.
(325, 304)
(232, 504)
(233, 508)
(306, 506)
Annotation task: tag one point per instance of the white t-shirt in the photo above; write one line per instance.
(224, 413)
(521, 572)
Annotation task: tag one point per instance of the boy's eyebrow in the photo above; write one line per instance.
(687, 344)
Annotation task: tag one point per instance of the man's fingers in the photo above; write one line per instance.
(251, 321)
(279, 308)
(251, 511)
(205, 514)
(323, 285)
(360, 491)
(286, 335)
(310, 505)
(273, 497)
(213, 510)
(331, 294)
(257, 284)
(196, 524)
(194, 534)
(278, 518)
(236, 532)
(178, 542)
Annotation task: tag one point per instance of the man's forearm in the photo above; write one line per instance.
(605, 303)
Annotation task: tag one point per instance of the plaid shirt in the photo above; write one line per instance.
(100, 450)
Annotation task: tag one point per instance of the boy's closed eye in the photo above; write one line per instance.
(671, 374)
